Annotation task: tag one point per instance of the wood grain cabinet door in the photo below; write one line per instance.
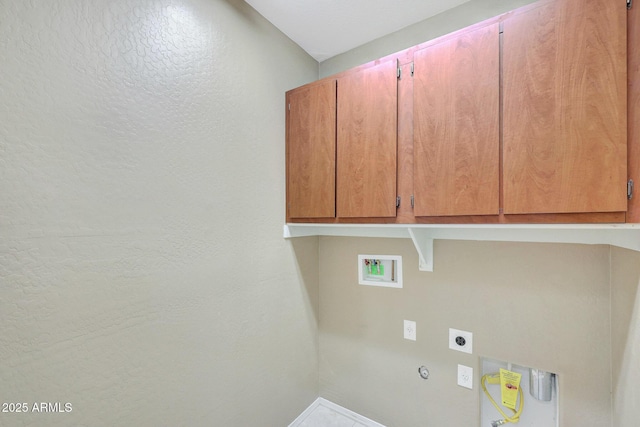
(311, 151)
(456, 125)
(564, 74)
(367, 142)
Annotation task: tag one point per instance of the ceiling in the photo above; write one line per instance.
(325, 28)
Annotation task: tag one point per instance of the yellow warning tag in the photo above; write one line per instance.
(509, 384)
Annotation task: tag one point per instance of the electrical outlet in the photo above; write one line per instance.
(409, 330)
(465, 376)
(461, 341)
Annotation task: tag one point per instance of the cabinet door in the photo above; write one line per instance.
(367, 142)
(311, 151)
(456, 125)
(565, 108)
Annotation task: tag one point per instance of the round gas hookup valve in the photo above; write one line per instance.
(424, 372)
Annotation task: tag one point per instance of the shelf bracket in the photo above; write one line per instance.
(424, 247)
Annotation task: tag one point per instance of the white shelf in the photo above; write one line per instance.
(622, 235)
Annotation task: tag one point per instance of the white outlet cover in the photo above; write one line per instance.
(409, 330)
(465, 376)
(466, 336)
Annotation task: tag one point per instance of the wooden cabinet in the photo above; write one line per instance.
(522, 118)
(564, 73)
(367, 142)
(311, 151)
(341, 146)
(456, 125)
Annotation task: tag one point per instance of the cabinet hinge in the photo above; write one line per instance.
(412, 202)
(412, 69)
(629, 189)
(629, 4)
(397, 201)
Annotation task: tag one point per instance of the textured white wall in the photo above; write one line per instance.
(143, 274)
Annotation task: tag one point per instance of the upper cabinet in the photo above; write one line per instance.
(367, 142)
(456, 125)
(518, 119)
(342, 145)
(311, 151)
(565, 125)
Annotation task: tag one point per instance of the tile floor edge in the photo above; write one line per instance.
(348, 413)
(320, 401)
(306, 412)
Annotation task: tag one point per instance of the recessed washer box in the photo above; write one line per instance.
(380, 270)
